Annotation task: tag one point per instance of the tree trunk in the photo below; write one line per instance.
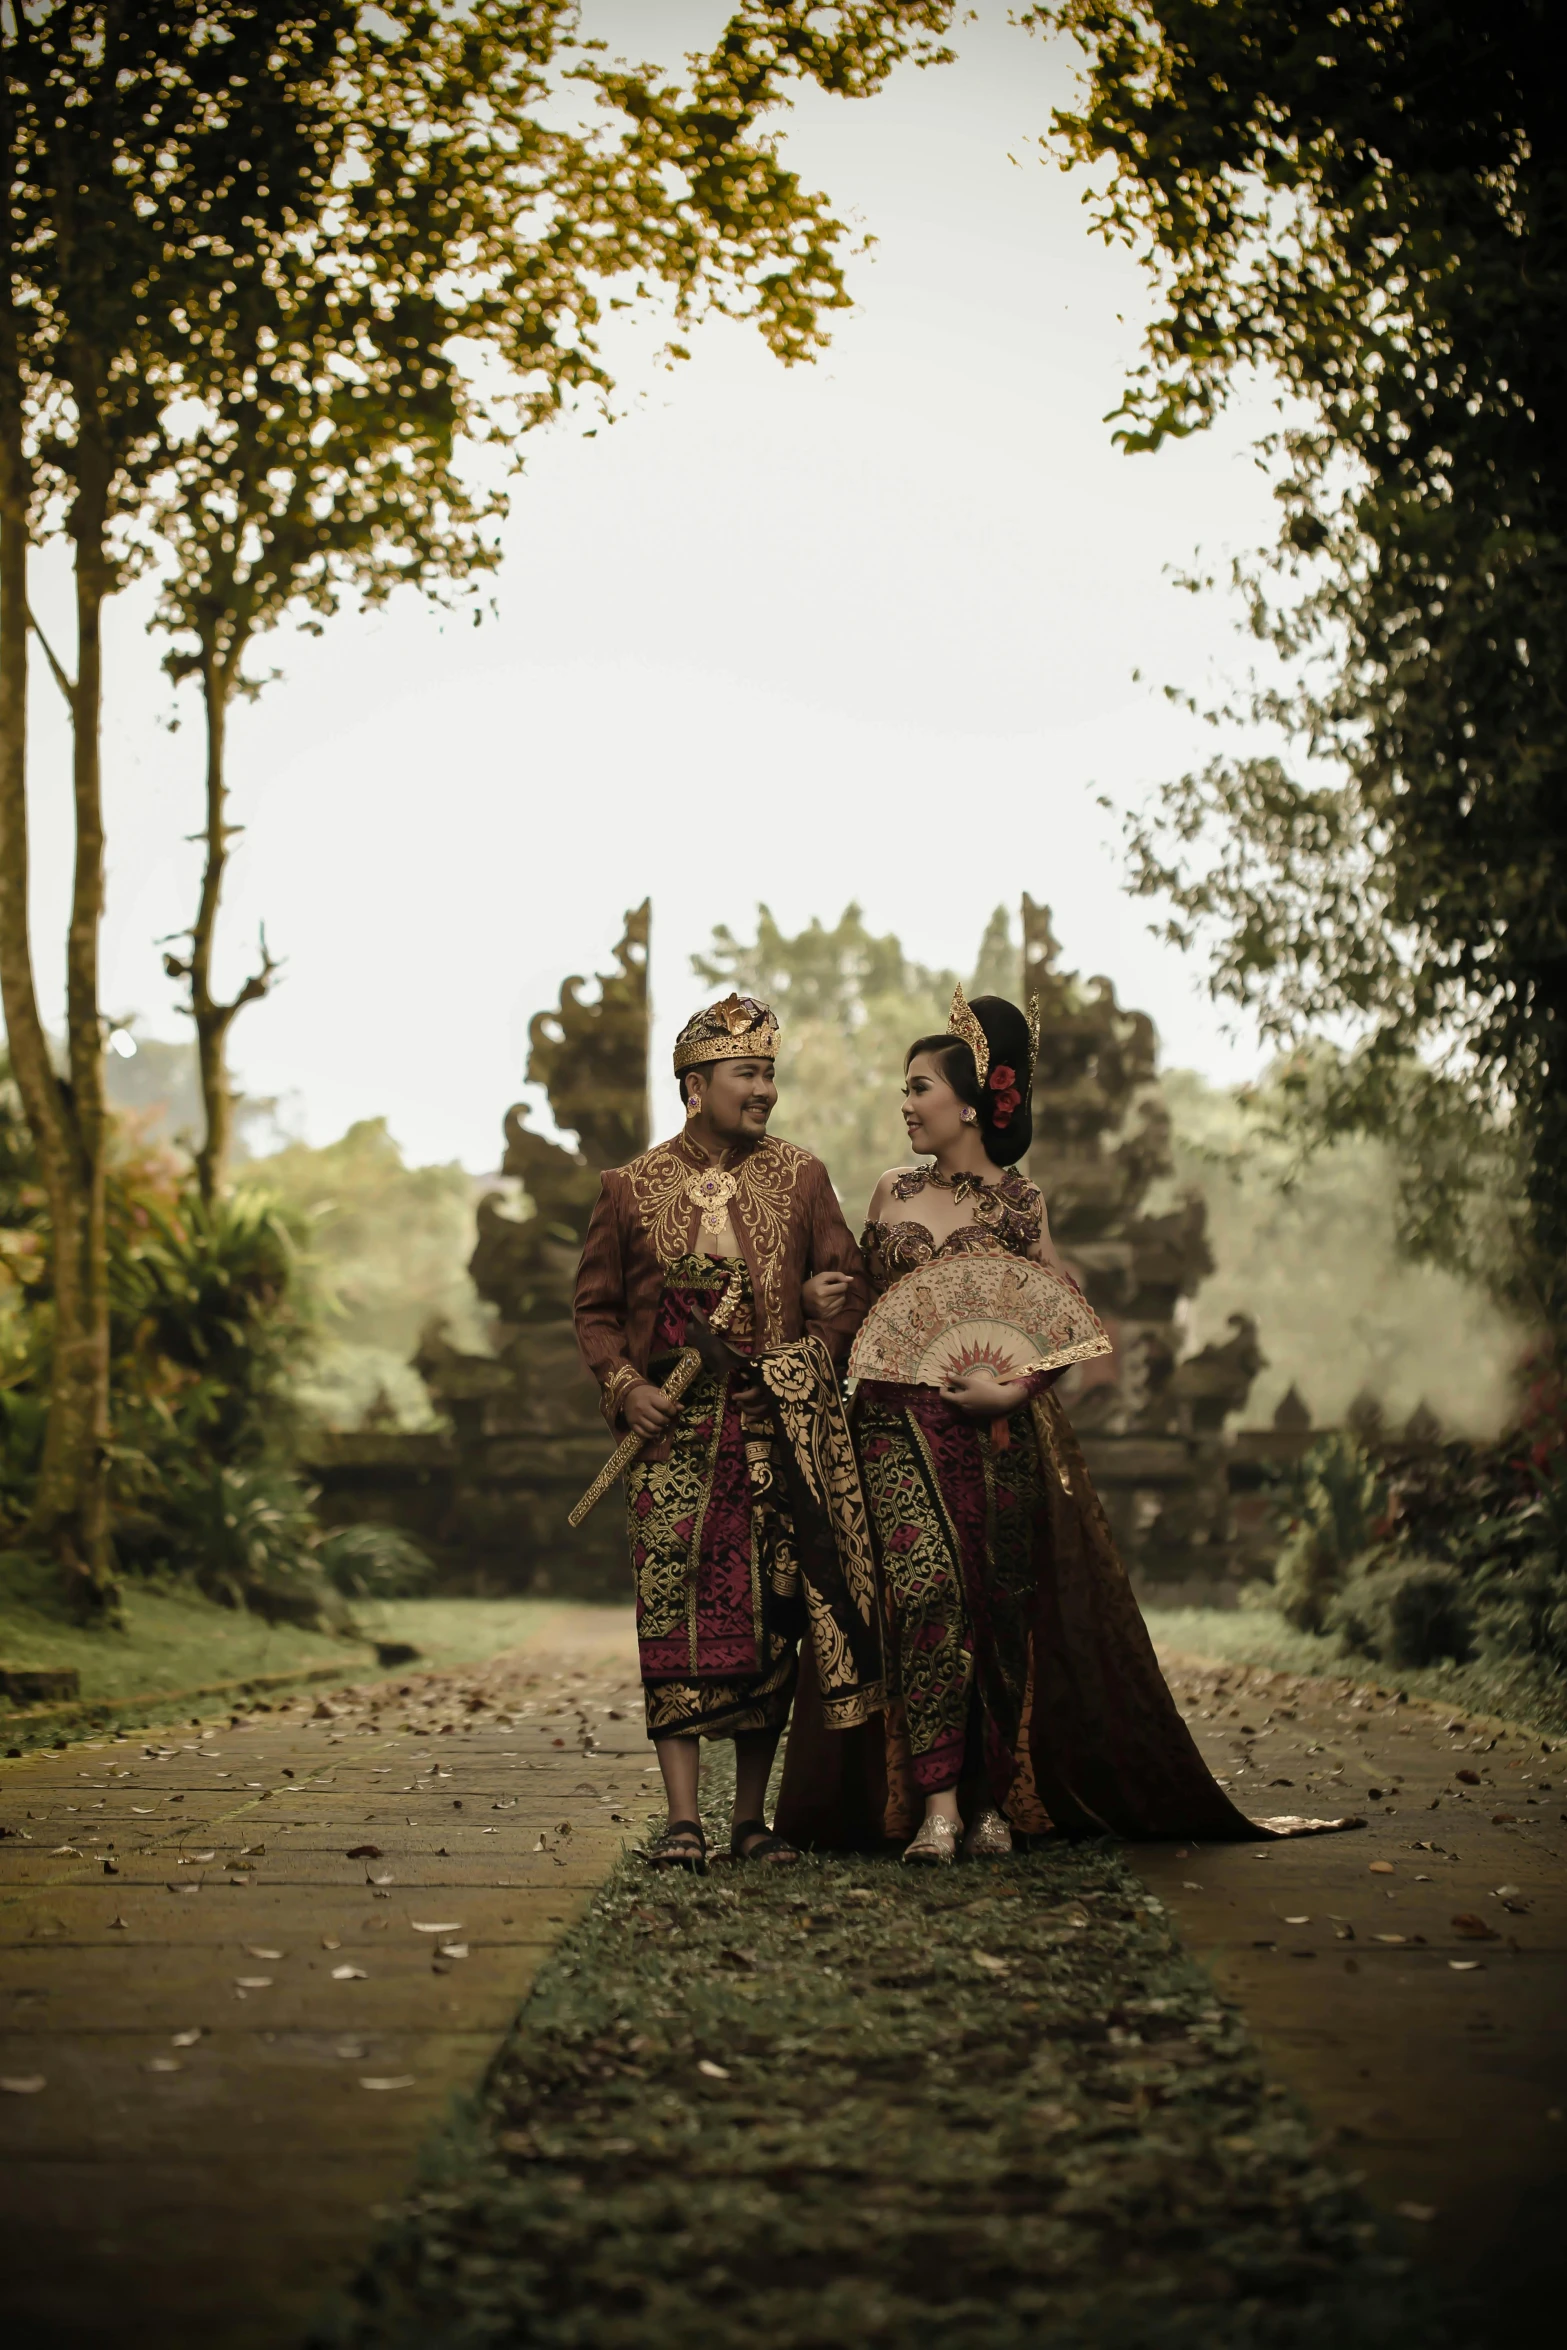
(72, 1447)
(82, 1356)
(214, 1018)
(211, 1018)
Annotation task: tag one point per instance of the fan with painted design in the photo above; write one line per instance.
(992, 1312)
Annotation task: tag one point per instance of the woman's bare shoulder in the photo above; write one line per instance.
(887, 1187)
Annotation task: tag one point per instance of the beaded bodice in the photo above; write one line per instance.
(1008, 1218)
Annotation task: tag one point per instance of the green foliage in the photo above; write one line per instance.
(1371, 205)
(375, 1562)
(1408, 1612)
(244, 1536)
(1335, 1501)
(1307, 1241)
(388, 1247)
(212, 1316)
(850, 1005)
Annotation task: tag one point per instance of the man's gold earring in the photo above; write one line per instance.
(691, 1105)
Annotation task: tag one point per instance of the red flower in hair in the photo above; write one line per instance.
(1003, 1084)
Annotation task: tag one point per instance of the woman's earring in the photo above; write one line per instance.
(969, 1117)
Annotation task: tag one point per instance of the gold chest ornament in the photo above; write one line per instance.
(712, 1189)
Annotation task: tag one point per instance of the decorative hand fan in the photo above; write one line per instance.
(990, 1312)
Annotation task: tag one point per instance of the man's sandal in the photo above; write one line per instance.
(680, 1844)
(768, 1846)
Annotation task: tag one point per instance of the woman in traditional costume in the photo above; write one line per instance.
(743, 1506)
(1023, 1690)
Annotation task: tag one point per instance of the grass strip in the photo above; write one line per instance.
(847, 2103)
(1514, 1689)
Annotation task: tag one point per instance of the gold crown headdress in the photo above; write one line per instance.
(737, 1029)
(962, 1023)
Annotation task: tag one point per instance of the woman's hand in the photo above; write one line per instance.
(980, 1395)
(648, 1412)
(823, 1294)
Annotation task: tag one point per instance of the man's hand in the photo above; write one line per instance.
(823, 1294)
(980, 1395)
(648, 1412)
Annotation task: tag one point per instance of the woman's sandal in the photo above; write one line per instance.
(769, 1845)
(672, 1848)
(936, 1845)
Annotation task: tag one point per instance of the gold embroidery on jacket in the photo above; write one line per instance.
(657, 1183)
(767, 1181)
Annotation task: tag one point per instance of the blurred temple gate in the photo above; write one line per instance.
(1153, 1422)
(527, 1431)
(1189, 1501)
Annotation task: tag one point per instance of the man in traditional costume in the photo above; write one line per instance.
(746, 1523)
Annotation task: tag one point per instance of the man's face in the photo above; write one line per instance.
(739, 1099)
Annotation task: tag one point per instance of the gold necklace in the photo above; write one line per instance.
(711, 1189)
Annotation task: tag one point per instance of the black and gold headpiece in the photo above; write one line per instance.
(962, 1024)
(737, 1029)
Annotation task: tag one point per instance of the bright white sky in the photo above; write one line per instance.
(861, 630)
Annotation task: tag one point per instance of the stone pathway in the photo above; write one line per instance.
(245, 1971)
(1409, 1983)
(227, 2027)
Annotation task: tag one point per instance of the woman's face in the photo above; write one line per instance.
(932, 1112)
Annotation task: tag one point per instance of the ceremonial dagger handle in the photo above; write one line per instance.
(674, 1387)
(626, 1450)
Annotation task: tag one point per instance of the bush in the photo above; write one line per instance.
(1407, 1612)
(246, 1536)
(375, 1562)
(1336, 1505)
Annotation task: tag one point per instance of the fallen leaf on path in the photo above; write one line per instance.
(1504, 1819)
(992, 1966)
(1381, 1868)
(1297, 1921)
(254, 1950)
(64, 1851)
(453, 1949)
(192, 1858)
(185, 2039)
(1465, 1966)
(1474, 1928)
(1469, 1778)
(363, 1852)
(452, 1926)
(254, 1982)
(1387, 1937)
(23, 2084)
(369, 1880)
(163, 2064)
(330, 1942)
(386, 2080)
(349, 1974)
(705, 2064)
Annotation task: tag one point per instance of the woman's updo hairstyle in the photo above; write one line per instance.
(1011, 1048)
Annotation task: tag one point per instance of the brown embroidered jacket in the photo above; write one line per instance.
(789, 1224)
